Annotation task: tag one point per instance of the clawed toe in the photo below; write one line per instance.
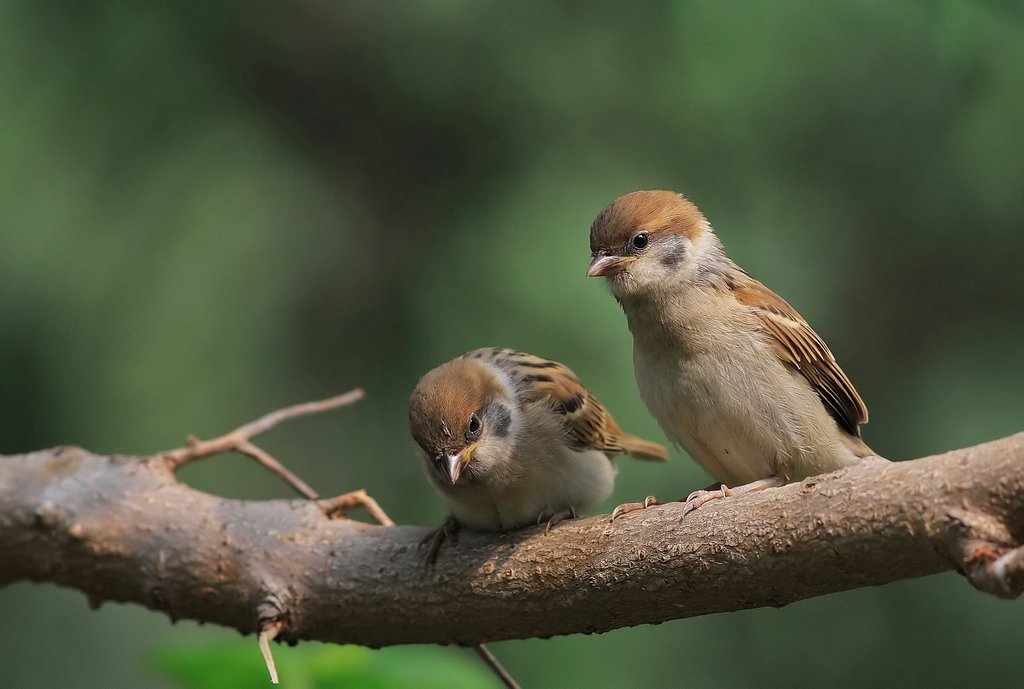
(560, 517)
(699, 498)
(436, 539)
(448, 530)
(627, 507)
(702, 497)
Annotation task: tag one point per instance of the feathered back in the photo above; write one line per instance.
(587, 424)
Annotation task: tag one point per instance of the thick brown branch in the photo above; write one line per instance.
(122, 528)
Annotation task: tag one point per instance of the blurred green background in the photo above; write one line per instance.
(210, 211)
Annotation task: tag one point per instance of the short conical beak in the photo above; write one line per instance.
(604, 265)
(456, 463)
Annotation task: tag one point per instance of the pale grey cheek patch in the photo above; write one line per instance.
(500, 419)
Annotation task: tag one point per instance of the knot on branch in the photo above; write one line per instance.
(271, 620)
(271, 612)
(984, 551)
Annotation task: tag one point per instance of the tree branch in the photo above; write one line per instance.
(123, 528)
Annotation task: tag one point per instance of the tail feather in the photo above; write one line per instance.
(643, 449)
(858, 446)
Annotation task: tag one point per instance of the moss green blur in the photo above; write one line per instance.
(208, 212)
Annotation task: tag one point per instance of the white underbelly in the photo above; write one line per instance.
(577, 481)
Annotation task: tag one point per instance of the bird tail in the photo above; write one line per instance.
(643, 449)
(858, 446)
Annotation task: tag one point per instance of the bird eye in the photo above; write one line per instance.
(474, 426)
(641, 240)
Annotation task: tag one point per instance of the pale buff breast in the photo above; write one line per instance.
(723, 396)
(543, 476)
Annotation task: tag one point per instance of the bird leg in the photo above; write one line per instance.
(627, 507)
(448, 530)
(555, 518)
(699, 498)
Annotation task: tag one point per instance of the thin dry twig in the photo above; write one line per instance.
(229, 441)
(267, 634)
(200, 448)
(357, 498)
(264, 458)
(496, 666)
(240, 440)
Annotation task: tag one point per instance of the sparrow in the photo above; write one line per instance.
(731, 372)
(510, 439)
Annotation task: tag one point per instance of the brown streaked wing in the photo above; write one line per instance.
(587, 424)
(796, 343)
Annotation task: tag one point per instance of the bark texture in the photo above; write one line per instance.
(123, 528)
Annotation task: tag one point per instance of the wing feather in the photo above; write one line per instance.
(796, 343)
(587, 424)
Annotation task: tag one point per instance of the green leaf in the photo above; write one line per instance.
(239, 665)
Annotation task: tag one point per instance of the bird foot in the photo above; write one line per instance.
(627, 507)
(555, 518)
(699, 498)
(448, 531)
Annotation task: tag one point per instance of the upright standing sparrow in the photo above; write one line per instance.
(731, 372)
(510, 439)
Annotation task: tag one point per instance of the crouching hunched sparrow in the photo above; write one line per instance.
(510, 439)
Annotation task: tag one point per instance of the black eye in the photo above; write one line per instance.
(474, 426)
(641, 240)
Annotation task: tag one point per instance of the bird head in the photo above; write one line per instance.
(647, 240)
(460, 415)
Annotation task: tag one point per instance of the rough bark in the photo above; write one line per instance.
(123, 528)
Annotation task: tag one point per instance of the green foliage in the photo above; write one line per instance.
(239, 665)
